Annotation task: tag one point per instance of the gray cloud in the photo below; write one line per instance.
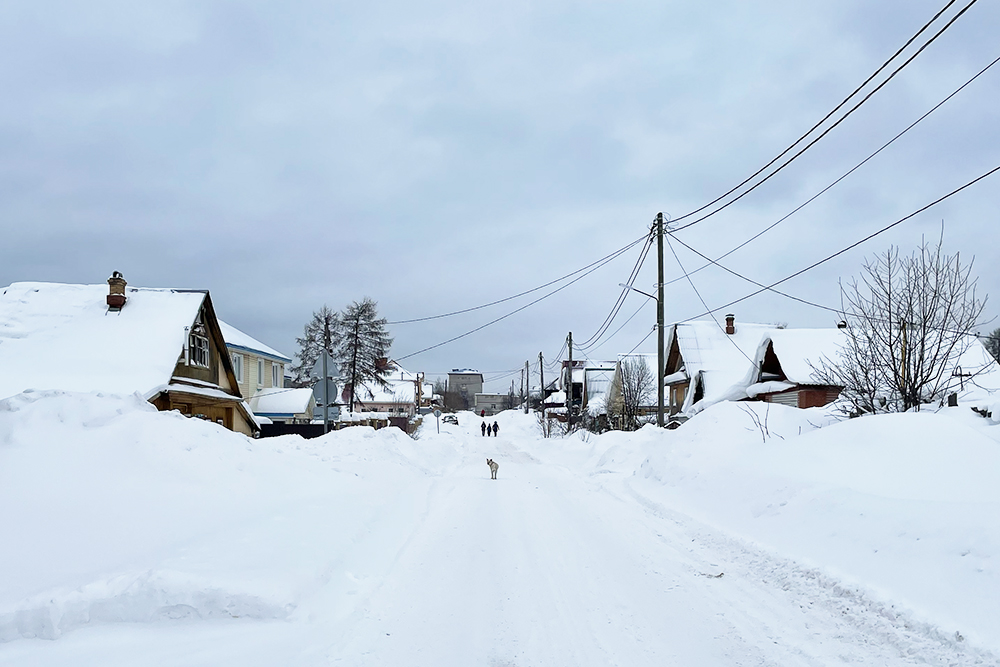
(439, 155)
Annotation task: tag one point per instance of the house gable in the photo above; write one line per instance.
(67, 337)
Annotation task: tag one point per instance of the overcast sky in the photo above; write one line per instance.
(440, 155)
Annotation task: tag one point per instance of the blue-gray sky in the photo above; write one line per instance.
(439, 155)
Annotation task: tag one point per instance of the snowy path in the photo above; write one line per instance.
(545, 566)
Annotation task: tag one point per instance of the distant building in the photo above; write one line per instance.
(465, 383)
(491, 403)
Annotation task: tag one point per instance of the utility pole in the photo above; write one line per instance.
(541, 382)
(527, 387)
(659, 320)
(569, 383)
(326, 394)
(419, 393)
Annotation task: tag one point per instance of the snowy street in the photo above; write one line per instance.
(370, 548)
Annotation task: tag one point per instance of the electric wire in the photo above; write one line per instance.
(849, 247)
(700, 298)
(839, 311)
(620, 301)
(745, 243)
(606, 260)
(616, 253)
(607, 339)
(835, 124)
(826, 117)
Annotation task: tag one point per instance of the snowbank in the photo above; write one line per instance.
(904, 505)
(125, 517)
(125, 514)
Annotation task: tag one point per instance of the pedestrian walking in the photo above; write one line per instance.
(482, 413)
(484, 428)
(496, 428)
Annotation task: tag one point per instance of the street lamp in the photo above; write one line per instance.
(659, 348)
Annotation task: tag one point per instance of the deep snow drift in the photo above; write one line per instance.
(752, 535)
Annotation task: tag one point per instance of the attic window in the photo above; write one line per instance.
(198, 345)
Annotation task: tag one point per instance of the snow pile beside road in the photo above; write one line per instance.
(905, 505)
(146, 537)
(116, 512)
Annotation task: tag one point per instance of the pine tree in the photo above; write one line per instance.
(322, 333)
(362, 345)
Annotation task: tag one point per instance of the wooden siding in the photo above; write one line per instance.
(804, 397)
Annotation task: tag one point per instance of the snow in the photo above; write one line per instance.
(771, 386)
(282, 401)
(801, 351)
(401, 389)
(57, 336)
(597, 384)
(720, 359)
(754, 534)
(235, 337)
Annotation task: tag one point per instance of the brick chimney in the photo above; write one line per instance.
(116, 290)
(730, 324)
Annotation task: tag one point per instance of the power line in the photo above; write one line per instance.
(850, 247)
(825, 118)
(700, 298)
(597, 346)
(515, 296)
(597, 265)
(619, 302)
(828, 187)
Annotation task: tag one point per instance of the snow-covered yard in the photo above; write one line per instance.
(777, 537)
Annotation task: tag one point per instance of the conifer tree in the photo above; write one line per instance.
(362, 346)
(320, 334)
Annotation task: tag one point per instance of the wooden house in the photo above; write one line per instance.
(165, 344)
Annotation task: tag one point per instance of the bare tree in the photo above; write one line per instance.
(909, 319)
(631, 389)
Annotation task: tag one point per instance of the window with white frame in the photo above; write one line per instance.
(199, 350)
(275, 375)
(260, 373)
(238, 366)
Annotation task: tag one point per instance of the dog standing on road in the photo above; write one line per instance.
(494, 466)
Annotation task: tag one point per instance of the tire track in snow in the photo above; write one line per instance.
(849, 613)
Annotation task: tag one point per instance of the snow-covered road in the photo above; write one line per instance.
(548, 567)
(418, 558)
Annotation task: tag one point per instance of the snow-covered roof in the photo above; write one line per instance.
(401, 389)
(58, 336)
(237, 339)
(721, 359)
(275, 401)
(597, 385)
(983, 370)
(799, 351)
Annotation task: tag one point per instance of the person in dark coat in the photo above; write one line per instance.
(496, 428)
(484, 428)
